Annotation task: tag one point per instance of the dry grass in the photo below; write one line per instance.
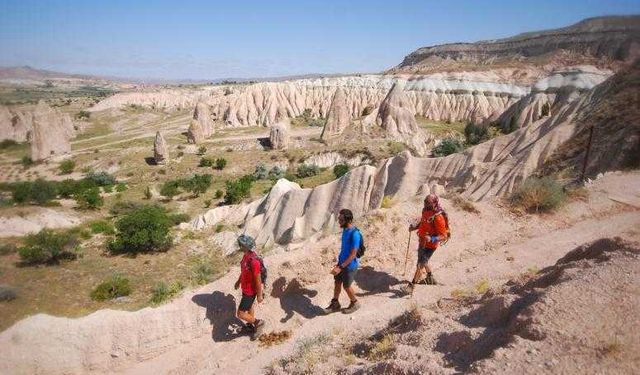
(462, 203)
(482, 286)
(387, 202)
(383, 349)
(274, 338)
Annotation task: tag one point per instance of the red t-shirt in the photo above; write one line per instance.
(431, 225)
(249, 268)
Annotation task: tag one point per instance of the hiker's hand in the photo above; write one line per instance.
(260, 297)
(336, 270)
(236, 285)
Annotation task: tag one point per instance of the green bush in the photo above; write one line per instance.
(238, 190)
(219, 194)
(170, 189)
(307, 170)
(145, 229)
(101, 178)
(221, 163)
(162, 292)
(26, 162)
(396, 147)
(107, 189)
(101, 226)
(114, 287)
(89, 199)
(48, 246)
(448, 146)
(538, 195)
(67, 166)
(206, 162)
(179, 218)
(475, 134)
(39, 192)
(8, 143)
(124, 208)
(276, 173)
(202, 272)
(120, 187)
(340, 170)
(198, 184)
(261, 172)
(83, 115)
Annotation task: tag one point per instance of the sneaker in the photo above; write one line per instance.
(353, 306)
(430, 280)
(248, 328)
(334, 306)
(258, 328)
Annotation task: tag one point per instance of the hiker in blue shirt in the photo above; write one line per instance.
(345, 270)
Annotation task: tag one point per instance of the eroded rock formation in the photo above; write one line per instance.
(279, 136)
(195, 133)
(338, 117)
(51, 132)
(160, 149)
(202, 115)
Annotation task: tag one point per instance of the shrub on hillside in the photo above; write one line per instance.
(39, 191)
(101, 226)
(123, 208)
(538, 195)
(83, 115)
(475, 134)
(261, 172)
(101, 178)
(238, 190)
(448, 146)
(67, 166)
(221, 163)
(26, 162)
(340, 170)
(179, 218)
(89, 199)
(202, 150)
(276, 173)
(162, 292)
(206, 162)
(170, 189)
(120, 187)
(307, 170)
(114, 287)
(48, 246)
(219, 194)
(145, 229)
(7, 293)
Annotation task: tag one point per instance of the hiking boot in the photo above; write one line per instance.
(353, 306)
(258, 328)
(430, 280)
(248, 328)
(334, 306)
(408, 288)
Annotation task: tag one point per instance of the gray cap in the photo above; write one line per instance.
(246, 241)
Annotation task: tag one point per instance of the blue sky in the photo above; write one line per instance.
(221, 39)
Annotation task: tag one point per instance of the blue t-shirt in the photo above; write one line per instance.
(351, 239)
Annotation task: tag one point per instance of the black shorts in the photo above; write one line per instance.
(346, 277)
(246, 302)
(424, 255)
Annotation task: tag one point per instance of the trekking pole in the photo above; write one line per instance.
(406, 256)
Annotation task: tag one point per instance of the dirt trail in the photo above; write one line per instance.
(494, 245)
(512, 247)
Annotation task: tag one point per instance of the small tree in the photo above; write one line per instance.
(145, 229)
(67, 166)
(340, 170)
(238, 190)
(261, 172)
(89, 199)
(448, 146)
(221, 163)
(48, 246)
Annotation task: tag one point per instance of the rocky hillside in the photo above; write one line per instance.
(602, 41)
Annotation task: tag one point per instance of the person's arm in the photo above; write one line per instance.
(441, 230)
(237, 284)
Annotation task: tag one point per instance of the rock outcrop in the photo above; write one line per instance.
(160, 149)
(51, 132)
(493, 168)
(202, 115)
(168, 99)
(279, 136)
(339, 115)
(195, 133)
(602, 41)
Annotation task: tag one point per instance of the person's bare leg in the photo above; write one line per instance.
(246, 316)
(417, 276)
(351, 293)
(336, 289)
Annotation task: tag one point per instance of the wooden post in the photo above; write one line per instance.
(586, 156)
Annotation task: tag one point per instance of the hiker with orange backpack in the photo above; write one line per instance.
(432, 230)
(250, 280)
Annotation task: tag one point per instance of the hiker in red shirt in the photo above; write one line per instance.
(431, 230)
(251, 285)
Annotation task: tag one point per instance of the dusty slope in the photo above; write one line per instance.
(192, 334)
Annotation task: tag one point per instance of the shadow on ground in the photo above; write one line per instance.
(376, 282)
(221, 312)
(295, 299)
